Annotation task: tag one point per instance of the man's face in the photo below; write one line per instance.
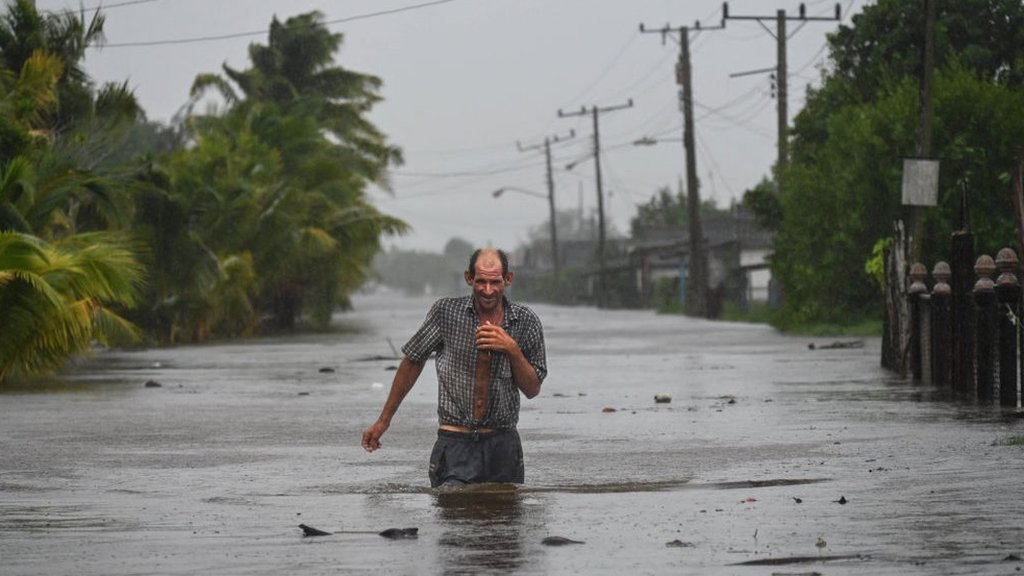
(488, 283)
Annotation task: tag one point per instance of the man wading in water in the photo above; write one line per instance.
(488, 350)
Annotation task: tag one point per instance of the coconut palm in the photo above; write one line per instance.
(63, 272)
(25, 32)
(280, 175)
(57, 299)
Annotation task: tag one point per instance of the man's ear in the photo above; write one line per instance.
(468, 277)
(508, 279)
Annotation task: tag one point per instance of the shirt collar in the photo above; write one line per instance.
(511, 312)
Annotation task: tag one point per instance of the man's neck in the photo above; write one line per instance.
(494, 316)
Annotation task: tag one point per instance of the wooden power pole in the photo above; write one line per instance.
(697, 266)
(594, 111)
(556, 268)
(781, 72)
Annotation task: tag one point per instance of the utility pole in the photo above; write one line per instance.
(555, 258)
(697, 268)
(594, 111)
(924, 125)
(781, 72)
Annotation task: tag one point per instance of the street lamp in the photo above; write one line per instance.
(696, 285)
(649, 141)
(554, 231)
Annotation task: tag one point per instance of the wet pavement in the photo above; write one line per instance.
(743, 472)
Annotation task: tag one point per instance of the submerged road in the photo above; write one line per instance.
(770, 458)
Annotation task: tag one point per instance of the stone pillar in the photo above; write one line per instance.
(985, 330)
(942, 327)
(916, 293)
(1008, 295)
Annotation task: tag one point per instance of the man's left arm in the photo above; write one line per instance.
(492, 337)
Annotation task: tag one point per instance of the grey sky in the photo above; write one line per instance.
(466, 79)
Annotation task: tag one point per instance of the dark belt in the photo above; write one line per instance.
(453, 431)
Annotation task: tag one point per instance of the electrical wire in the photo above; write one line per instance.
(99, 7)
(607, 69)
(212, 38)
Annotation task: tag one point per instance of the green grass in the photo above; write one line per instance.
(758, 314)
(862, 329)
(1011, 441)
(762, 314)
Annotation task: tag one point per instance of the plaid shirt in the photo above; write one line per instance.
(449, 330)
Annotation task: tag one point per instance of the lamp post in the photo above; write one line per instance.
(697, 269)
(556, 268)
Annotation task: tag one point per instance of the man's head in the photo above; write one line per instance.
(488, 274)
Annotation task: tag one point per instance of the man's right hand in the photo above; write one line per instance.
(371, 436)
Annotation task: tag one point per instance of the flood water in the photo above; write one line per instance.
(741, 473)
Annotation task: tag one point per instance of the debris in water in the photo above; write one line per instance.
(679, 544)
(376, 386)
(797, 500)
(835, 345)
(820, 542)
(310, 531)
(327, 370)
(1012, 558)
(558, 541)
(400, 533)
(796, 560)
(153, 384)
(662, 398)
(390, 533)
(608, 409)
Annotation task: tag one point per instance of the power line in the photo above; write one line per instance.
(465, 173)
(116, 5)
(607, 69)
(213, 38)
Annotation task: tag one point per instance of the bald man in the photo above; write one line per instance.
(489, 351)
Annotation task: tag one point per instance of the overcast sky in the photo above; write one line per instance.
(465, 80)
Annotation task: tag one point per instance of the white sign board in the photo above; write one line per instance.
(920, 182)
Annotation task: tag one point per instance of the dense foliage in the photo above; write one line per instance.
(842, 188)
(249, 218)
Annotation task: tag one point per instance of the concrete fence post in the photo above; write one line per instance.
(942, 326)
(985, 329)
(1008, 294)
(916, 293)
(963, 313)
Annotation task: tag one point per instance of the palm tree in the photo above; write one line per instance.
(64, 271)
(24, 32)
(281, 174)
(296, 70)
(57, 299)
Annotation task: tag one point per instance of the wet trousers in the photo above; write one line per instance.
(468, 458)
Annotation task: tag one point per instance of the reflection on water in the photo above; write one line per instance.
(482, 529)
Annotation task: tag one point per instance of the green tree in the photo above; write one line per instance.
(65, 270)
(842, 190)
(267, 202)
(763, 201)
(57, 299)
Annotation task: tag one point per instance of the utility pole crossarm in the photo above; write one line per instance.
(547, 140)
(583, 111)
(801, 15)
